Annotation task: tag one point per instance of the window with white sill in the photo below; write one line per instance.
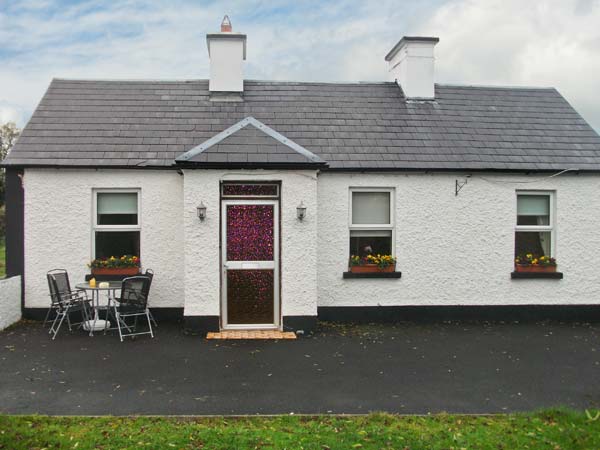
(116, 229)
(534, 230)
(371, 221)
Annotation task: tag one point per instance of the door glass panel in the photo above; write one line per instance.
(250, 190)
(250, 296)
(250, 232)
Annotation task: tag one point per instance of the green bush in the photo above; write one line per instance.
(2, 222)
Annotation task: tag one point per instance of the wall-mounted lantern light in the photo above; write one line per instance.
(301, 211)
(201, 209)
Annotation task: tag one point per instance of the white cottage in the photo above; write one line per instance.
(247, 198)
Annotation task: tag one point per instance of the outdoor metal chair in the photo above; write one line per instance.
(150, 274)
(53, 298)
(111, 301)
(133, 302)
(63, 282)
(64, 301)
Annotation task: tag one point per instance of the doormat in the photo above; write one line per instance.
(252, 334)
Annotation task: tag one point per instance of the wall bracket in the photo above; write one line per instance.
(459, 185)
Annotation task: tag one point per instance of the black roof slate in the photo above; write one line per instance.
(349, 125)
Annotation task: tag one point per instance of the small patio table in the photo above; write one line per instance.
(110, 290)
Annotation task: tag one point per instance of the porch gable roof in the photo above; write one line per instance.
(251, 143)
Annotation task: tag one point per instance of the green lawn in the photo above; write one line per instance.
(2, 258)
(553, 429)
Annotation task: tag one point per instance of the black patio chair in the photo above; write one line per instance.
(133, 302)
(150, 274)
(53, 298)
(64, 301)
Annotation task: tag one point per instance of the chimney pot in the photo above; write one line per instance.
(226, 25)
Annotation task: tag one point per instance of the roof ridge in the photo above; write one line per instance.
(489, 86)
(318, 83)
(297, 82)
(194, 80)
(130, 80)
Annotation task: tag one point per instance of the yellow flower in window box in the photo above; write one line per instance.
(532, 263)
(124, 265)
(372, 263)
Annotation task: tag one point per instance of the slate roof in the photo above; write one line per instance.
(366, 126)
(250, 142)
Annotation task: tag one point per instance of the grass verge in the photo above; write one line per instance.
(549, 429)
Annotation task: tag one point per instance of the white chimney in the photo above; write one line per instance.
(411, 65)
(227, 52)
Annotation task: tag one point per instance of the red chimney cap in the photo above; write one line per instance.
(226, 25)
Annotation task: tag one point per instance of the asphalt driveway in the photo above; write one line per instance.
(403, 368)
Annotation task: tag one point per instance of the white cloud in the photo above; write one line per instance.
(511, 42)
(505, 42)
(10, 113)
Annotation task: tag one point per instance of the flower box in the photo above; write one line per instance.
(530, 263)
(126, 265)
(372, 264)
(531, 268)
(115, 270)
(372, 268)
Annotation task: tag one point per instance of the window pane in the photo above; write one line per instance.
(363, 243)
(370, 207)
(535, 243)
(117, 208)
(533, 210)
(117, 243)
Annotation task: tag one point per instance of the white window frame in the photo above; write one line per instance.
(551, 227)
(374, 227)
(96, 227)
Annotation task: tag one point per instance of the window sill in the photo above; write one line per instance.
(372, 275)
(536, 275)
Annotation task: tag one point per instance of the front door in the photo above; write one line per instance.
(250, 257)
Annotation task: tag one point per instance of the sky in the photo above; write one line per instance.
(482, 42)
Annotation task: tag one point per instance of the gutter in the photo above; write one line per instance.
(323, 167)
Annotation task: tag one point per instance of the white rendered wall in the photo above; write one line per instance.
(458, 250)
(58, 227)
(452, 250)
(10, 301)
(298, 240)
